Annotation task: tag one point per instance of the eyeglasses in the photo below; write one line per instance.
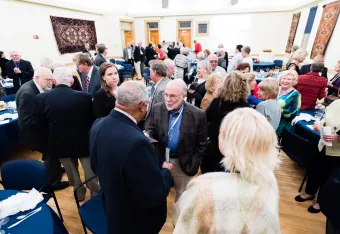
(171, 96)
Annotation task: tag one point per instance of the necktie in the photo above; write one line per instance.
(16, 64)
(87, 84)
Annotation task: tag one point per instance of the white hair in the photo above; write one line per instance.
(40, 71)
(169, 62)
(219, 52)
(200, 55)
(176, 83)
(131, 93)
(57, 64)
(63, 75)
(46, 62)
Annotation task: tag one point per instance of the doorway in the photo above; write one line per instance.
(128, 37)
(126, 32)
(152, 32)
(184, 32)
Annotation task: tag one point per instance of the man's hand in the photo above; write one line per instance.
(191, 91)
(168, 166)
(17, 70)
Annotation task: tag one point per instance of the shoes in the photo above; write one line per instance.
(312, 210)
(61, 185)
(300, 199)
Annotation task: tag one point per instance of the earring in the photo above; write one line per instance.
(105, 83)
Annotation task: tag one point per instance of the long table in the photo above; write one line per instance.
(9, 133)
(302, 130)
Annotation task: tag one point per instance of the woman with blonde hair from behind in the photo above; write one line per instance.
(245, 198)
(211, 86)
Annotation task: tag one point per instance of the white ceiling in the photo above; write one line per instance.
(153, 7)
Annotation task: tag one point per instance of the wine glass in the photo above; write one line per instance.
(3, 222)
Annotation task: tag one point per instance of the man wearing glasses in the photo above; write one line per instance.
(180, 129)
(213, 59)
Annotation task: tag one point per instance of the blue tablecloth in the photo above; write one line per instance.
(43, 222)
(302, 130)
(263, 65)
(9, 133)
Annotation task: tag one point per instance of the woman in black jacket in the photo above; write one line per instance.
(197, 88)
(104, 100)
(233, 94)
(3, 61)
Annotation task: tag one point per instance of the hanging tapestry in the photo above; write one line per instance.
(72, 34)
(292, 32)
(328, 21)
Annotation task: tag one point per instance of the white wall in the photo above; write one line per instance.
(26, 19)
(332, 54)
(258, 30)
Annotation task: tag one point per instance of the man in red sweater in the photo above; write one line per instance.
(198, 47)
(312, 86)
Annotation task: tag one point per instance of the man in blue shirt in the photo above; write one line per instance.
(181, 131)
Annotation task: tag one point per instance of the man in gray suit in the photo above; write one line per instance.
(101, 57)
(158, 72)
(90, 74)
(181, 131)
(128, 54)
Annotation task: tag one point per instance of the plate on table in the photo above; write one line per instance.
(4, 108)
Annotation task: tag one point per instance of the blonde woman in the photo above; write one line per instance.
(298, 58)
(269, 107)
(232, 94)
(211, 86)
(244, 199)
(289, 99)
(197, 89)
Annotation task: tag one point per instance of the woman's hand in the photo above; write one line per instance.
(330, 137)
(191, 91)
(316, 126)
(329, 84)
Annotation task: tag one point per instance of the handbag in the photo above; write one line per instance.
(331, 98)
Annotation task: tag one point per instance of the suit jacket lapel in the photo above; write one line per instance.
(94, 70)
(185, 121)
(165, 123)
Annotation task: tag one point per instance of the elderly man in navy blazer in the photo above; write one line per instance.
(90, 74)
(21, 71)
(133, 183)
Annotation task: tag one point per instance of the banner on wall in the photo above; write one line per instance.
(292, 32)
(72, 34)
(328, 21)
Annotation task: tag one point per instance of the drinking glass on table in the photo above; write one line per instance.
(3, 222)
(318, 116)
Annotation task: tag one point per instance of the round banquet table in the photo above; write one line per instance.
(302, 130)
(9, 133)
(262, 65)
(41, 222)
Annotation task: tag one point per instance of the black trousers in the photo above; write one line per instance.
(320, 169)
(53, 169)
(330, 228)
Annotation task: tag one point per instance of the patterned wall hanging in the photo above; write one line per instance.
(292, 32)
(328, 21)
(72, 34)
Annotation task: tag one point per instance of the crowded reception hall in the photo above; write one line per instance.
(170, 116)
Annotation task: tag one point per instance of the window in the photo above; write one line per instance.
(153, 25)
(185, 24)
(202, 29)
(309, 26)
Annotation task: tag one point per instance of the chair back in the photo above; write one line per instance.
(24, 175)
(120, 62)
(9, 98)
(298, 149)
(113, 61)
(128, 71)
(278, 63)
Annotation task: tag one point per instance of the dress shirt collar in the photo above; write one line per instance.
(90, 72)
(126, 114)
(179, 111)
(38, 86)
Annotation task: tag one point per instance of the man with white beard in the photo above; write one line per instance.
(181, 131)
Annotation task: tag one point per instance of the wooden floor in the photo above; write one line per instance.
(294, 217)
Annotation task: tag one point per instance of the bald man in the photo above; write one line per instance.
(170, 64)
(31, 134)
(213, 59)
(181, 131)
(21, 71)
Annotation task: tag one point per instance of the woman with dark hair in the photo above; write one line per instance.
(104, 100)
(3, 61)
(243, 67)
